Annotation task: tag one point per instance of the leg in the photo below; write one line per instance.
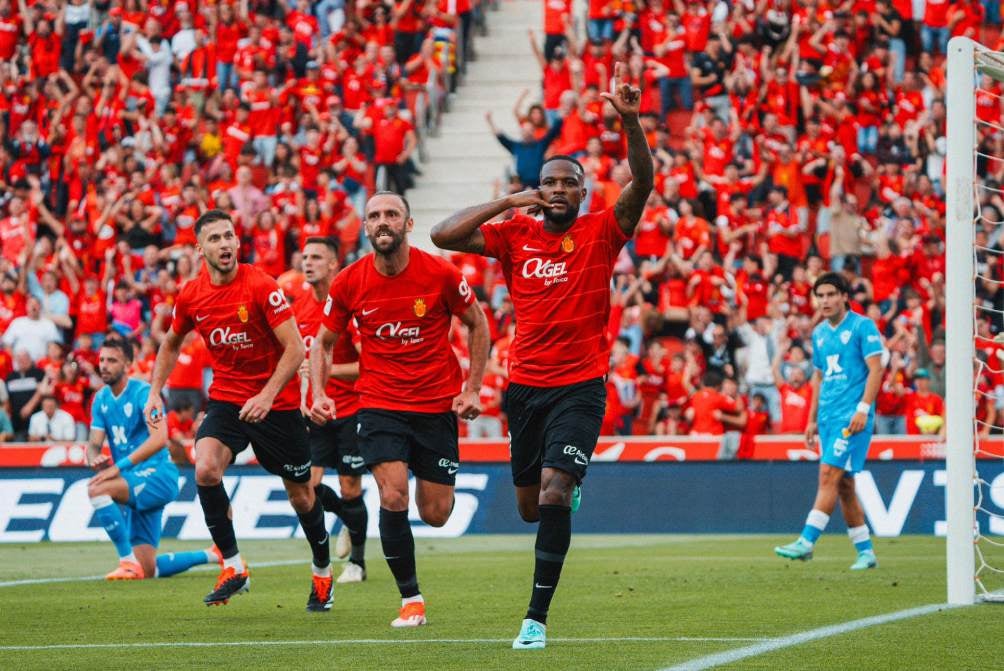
(819, 516)
(434, 501)
(105, 497)
(527, 497)
(355, 517)
(211, 461)
(308, 510)
(554, 535)
(395, 530)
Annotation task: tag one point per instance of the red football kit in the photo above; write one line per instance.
(236, 321)
(309, 313)
(404, 324)
(560, 288)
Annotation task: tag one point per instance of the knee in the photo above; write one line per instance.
(557, 492)
(301, 498)
(394, 498)
(435, 515)
(208, 474)
(351, 488)
(846, 487)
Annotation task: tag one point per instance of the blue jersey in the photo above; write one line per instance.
(839, 353)
(121, 418)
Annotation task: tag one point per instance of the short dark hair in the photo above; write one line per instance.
(565, 157)
(325, 240)
(210, 216)
(713, 378)
(836, 280)
(121, 344)
(182, 404)
(407, 205)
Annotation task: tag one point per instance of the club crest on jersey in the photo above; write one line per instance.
(419, 307)
(127, 409)
(242, 314)
(845, 337)
(567, 244)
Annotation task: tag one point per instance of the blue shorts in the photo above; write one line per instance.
(150, 489)
(845, 452)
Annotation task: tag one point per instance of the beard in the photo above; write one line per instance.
(109, 379)
(386, 249)
(563, 219)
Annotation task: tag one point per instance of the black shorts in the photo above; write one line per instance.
(553, 427)
(335, 445)
(279, 442)
(426, 441)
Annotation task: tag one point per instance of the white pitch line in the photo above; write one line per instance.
(770, 645)
(363, 641)
(90, 578)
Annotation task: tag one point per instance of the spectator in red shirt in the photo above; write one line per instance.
(709, 408)
(922, 405)
(394, 140)
(181, 427)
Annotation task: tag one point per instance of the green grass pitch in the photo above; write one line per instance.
(678, 597)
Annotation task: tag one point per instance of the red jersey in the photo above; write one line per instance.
(704, 403)
(920, 405)
(309, 313)
(560, 288)
(236, 321)
(795, 404)
(404, 324)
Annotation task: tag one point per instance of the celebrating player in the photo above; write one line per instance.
(403, 301)
(255, 350)
(847, 357)
(558, 270)
(139, 475)
(334, 444)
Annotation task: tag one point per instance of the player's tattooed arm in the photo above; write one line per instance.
(95, 440)
(467, 404)
(461, 232)
(626, 99)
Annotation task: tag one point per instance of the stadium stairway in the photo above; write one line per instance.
(464, 159)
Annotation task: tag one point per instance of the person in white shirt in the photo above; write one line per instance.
(51, 423)
(32, 332)
(159, 58)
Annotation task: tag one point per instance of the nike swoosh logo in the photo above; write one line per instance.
(528, 248)
(451, 471)
(370, 311)
(539, 586)
(199, 319)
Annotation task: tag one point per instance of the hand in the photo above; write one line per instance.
(256, 408)
(858, 422)
(811, 430)
(322, 411)
(530, 198)
(154, 411)
(467, 405)
(110, 472)
(101, 462)
(626, 99)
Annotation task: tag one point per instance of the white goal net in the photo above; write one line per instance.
(975, 322)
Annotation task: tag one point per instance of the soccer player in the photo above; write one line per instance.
(558, 269)
(403, 301)
(333, 444)
(847, 358)
(255, 350)
(139, 474)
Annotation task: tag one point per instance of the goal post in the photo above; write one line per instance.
(960, 346)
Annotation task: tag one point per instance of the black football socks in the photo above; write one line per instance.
(331, 501)
(355, 517)
(216, 508)
(554, 535)
(399, 550)
(314, 528)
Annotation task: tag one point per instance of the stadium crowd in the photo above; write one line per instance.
(788, 138)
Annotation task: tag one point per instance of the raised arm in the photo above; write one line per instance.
(626, 99)
(460, 231)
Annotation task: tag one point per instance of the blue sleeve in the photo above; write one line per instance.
(97, 417)
(817, 357)
(506, 142)
(34, 287)
(869, 339)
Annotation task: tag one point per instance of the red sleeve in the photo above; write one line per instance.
(456, 290)
(273, 302)
(336, 308)
(181, 321)
(495, 240)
